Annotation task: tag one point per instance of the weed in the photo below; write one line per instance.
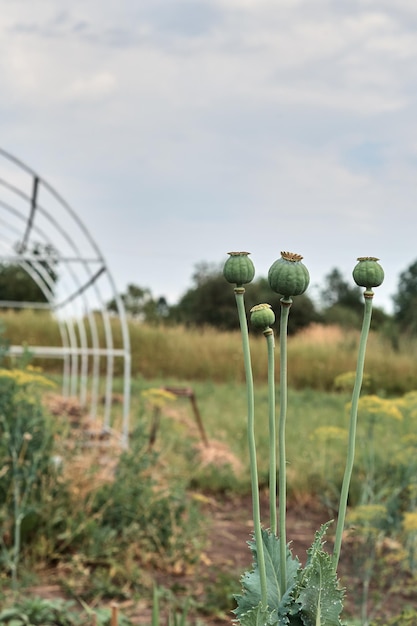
(35, 611)
(407, 617)
(219, 597)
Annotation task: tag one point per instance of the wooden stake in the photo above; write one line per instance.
(114, 614)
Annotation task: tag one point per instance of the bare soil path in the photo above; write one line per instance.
(226, 554)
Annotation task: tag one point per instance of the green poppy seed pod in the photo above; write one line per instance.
(239, 269)
(288, 276)
(262, 316)
(368, 273)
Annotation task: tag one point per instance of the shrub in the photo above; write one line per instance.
(136, 506)
(99, 528)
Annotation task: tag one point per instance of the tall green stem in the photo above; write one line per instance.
(282, 499)
(239, 293)
(269, 335)
(368, 295)
(17, 509)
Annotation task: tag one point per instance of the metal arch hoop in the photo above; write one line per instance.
(32, 212)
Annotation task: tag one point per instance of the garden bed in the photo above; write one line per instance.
(211, 582)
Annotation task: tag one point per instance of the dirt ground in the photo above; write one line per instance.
(226, 555)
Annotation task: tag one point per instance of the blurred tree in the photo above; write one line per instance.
(211, 302)
(17, 285)
(405, 300)
(135, 299)
(207, 302)
(141, 305)
(337, 291)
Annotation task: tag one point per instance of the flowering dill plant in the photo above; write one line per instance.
(26, 441)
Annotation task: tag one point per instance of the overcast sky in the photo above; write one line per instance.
(181, 130)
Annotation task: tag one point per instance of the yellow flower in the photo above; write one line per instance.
(392, 409)
(410, 522)
(346, 381)
(405, 455)
(34, 368)
(325, 433)
(367, 516)
(409, 440)
(410, 398)
(24, 378)
(408, 404)
(158, 398)
(373, 405)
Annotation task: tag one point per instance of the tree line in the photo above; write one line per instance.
(209, 301)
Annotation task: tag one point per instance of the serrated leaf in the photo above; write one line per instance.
(278, 600)
(317, 545)
(319, 594)
(255, 617)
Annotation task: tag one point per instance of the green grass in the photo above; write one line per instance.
(316, 437)
(223, 410)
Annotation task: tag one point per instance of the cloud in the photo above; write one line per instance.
(182, 18)
(253, 53)
(232, 119)
(93, 87)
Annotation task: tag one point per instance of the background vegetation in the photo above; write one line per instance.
(318, 353)
(208, 301)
